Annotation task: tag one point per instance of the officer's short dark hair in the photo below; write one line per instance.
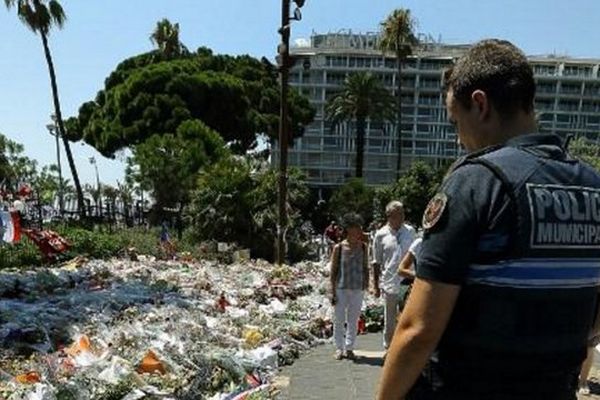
(498, 68)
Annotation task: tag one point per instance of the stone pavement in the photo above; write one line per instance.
(317, 376)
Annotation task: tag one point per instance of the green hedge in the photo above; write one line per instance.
(91, 243)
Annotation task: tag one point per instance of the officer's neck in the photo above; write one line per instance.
(500, 131)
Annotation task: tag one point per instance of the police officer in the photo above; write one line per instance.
(507, 279)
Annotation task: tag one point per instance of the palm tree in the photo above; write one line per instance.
(125, 193)
(95, 193)
(111, 194)
(363, 97)
(397, 37)
(40, 16)
(166, 38)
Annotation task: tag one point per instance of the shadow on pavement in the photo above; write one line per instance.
(374, 361)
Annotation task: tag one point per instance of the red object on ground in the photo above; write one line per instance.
(29, 378)
(151, 364)
(50, 243)
(362, 325)
(222, 303)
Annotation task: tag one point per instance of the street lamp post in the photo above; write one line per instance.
(95, 164)
(284, 62)
(52, 129)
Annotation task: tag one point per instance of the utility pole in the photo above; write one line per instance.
(284, 53)
(284, 62)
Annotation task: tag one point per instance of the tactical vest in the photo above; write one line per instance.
(531, 307)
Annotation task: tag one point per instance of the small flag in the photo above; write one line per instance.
(10, 227)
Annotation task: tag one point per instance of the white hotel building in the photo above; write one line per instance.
(567, 100)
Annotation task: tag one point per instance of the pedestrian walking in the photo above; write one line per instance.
(390, 244)
(349, 280)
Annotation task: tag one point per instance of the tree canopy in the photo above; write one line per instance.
(39, 16)
(236, 201)
(166, 37)
(168, 164)
(397, 33)
(416, 187)
(352, 197)
(151, 94)
(15, 167)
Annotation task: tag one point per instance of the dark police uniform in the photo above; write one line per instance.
(519, 230)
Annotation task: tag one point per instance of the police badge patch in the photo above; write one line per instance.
(435, 209)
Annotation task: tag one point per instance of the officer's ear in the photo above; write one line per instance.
(481, 103)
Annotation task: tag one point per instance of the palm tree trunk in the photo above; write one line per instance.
(399, 115)
(360, 145)
(61, 127)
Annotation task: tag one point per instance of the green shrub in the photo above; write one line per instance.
(99, 243)
(23, 253)
(353, 197)
(236, 202)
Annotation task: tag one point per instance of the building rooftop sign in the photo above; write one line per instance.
(346, 39)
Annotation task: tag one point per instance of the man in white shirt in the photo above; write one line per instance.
(391, 242)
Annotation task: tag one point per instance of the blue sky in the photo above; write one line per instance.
(101, 33)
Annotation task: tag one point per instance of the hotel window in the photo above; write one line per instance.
(408, 82)
(390, 63)
(430, 65)
(593, 119)
(548, 70)
(408, 99)
(362, 62)
(336, 78)
(569, 88)
(591, 89)
(546, 87)
(572, 70)
(568, 105)
(410, 63)
(587, 106)
(429, 83)
(337, 61)
(428, 100)
(544, 104)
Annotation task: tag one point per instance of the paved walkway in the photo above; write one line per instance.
(317, 376)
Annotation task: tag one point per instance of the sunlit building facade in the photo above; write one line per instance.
(568, 102)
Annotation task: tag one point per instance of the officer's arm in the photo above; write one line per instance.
(421, 325)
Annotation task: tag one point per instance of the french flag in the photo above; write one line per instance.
(10, 227)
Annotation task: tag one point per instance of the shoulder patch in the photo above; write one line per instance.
(435, 209)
